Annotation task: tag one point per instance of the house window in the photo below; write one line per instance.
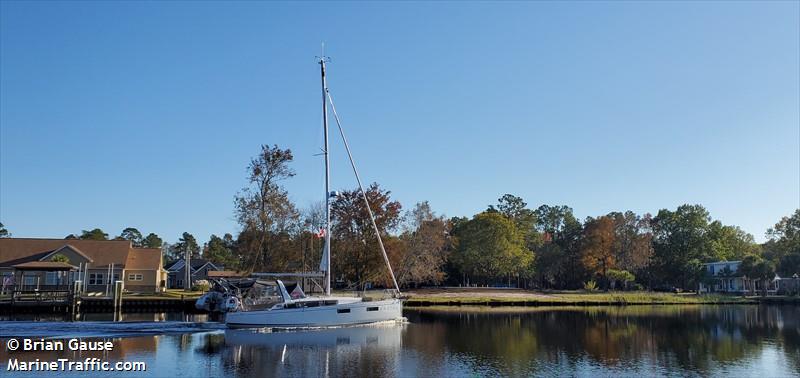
(180, 283)
(96, 278)
(52, 278)
(29, 280)
(116, 277)
(135, 277)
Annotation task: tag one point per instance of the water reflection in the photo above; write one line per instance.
(636, 339)
(364, 351)
(627, 341)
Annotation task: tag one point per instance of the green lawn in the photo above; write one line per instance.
(529, 298)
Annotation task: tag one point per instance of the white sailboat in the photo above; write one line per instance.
(283, 310)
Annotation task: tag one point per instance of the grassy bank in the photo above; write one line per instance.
(488, 297)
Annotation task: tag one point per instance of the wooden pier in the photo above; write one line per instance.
(45, 300)
(63, 301)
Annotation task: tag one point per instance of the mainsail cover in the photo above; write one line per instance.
(323, 265)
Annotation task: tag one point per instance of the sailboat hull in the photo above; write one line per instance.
(324, 316)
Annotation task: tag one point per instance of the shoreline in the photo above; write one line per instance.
(441, 297)
(521, 298)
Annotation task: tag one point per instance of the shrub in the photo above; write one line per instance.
(590, 285)
(60, 258)
(201, 285)
(623, 277)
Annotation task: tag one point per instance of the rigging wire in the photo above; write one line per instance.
(361, 187)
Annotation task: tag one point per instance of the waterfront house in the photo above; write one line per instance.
(726, 278)
(48, 264)
(788, 285)
(177, 272)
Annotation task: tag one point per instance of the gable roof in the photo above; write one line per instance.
(196, 264)
(205, 262)
(101, 253)
(67, 246)
(21, 259)
(172, 265)
(144, 258)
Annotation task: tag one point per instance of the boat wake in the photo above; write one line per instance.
(58, 330)
(383, 323)
(62, 330)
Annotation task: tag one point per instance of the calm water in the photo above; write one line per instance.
(631, 341)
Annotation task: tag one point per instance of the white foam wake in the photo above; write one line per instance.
(101, 329)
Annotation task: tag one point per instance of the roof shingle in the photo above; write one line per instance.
(15, 251)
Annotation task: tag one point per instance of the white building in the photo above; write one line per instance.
(727, 279)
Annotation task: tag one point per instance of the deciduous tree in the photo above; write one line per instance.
(425, 250)
(729, 243)
(598, 247)
(264, 211)
(783, 246)
(515, 208)
(756, 268)
(680, 236)
(558, 225)
(489, 247)
(633, 247)
(355, 253)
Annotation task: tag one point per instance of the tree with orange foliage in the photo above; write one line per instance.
(355, 253)
(597, 248)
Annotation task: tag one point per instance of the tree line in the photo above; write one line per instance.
(509, 243)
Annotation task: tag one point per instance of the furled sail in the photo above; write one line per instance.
(323, 265)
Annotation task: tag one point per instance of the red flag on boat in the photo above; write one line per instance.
(321, 233)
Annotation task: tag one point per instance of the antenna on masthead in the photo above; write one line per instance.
(322, 58)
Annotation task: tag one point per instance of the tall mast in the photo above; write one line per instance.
(327, 251)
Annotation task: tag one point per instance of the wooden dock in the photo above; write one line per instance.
(65, 301)
(43, 300)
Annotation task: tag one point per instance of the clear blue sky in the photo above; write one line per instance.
(145, 114)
